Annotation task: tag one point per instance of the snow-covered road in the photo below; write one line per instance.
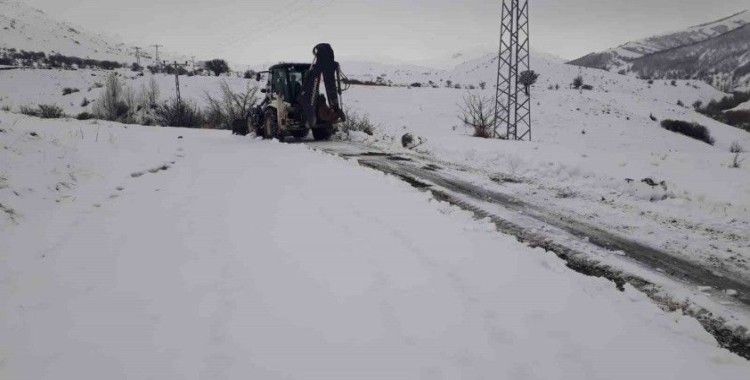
(211, 256)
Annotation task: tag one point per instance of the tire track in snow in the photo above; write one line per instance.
(426, 176)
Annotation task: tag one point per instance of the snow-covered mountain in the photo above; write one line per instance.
(718, 52)
(23, 27)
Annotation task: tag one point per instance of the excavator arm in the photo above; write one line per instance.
(324, 67)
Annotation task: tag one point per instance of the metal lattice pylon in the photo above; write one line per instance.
(512, 104)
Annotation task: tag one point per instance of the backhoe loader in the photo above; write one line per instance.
(294, 106)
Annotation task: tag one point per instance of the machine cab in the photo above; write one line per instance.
(285, 81)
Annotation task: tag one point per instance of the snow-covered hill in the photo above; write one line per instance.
(388, 73)
(23, 27)
(716, 52)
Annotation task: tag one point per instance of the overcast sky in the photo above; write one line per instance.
(254, 31)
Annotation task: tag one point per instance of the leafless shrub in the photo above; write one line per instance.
(29, 111)
(179, 113)
(45, 111)
(690, 129)
(736, 147)
(149, 95)
(115, 102)
(50, 111)
(578, 82)
(356, 122)
(231, 107)
(477, 112)
(84, 116)
(736, 161)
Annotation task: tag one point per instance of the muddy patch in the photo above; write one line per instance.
(431, 167)
(399, 158)
(414, 182)
(154, 170)
(9, 212)
(500, 178)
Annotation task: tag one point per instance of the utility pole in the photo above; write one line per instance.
(137, 55)
(512, 104)
(177, 67)
(156, 57)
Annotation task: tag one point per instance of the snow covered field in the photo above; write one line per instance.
(606, 132)
(133, 253)
(590, 153)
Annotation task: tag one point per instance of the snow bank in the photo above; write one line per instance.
(253, 259)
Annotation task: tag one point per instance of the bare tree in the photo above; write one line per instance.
(477, 112)
(217, 66)
(527, 79)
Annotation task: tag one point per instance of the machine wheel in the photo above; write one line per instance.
(299, 135)
(259, 130)
(240, 127)
(256, 122)
(321, 134)
(270, 125)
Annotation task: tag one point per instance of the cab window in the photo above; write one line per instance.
(278, 81)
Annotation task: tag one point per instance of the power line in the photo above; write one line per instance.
(262, 22)
(299, 16)
(286, 19)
